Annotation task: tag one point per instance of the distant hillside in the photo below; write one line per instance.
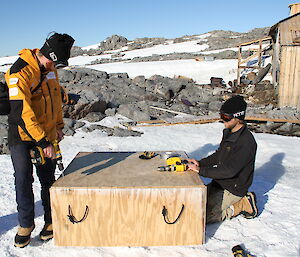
(217, 39)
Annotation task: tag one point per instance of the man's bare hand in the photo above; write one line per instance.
(49, 152)
(193, 161)
(193, 167)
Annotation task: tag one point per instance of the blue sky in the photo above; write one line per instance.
(26, 24)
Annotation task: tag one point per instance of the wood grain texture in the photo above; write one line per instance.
(129, 217)
(122, 169)
(289, 93)
(129, 214)
(286, 28)
(295, 8)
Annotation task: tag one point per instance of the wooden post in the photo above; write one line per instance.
(239, 61)
(260, 55)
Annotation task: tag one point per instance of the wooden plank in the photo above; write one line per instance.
(281, 76)
(248, 58)
(297, 80)
(254, 67)
(129, 217)
(239, 62)
(255, 41)
(275, 63)
(123, 170)
(179, 123)
(283, 84)
(248, 118)
(254, 55)
(290, 75)
(134, 123)
(167, 110)
(259, 54)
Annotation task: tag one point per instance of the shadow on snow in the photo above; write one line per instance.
(10, 221)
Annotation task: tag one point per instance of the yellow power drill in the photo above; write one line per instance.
(174, 164)
(38, 157)
(58, 155)
(238, 251)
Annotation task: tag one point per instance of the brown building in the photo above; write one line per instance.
(286, 58)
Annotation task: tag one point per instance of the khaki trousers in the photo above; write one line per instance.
(218, 203)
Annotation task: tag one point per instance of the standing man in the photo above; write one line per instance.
(35, 119)
(231, 167)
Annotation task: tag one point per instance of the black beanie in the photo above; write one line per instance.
(235, 106)
(57, 48)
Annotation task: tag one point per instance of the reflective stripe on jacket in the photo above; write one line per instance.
(36, 110)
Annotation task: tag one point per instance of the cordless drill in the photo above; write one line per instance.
(174, 164)
(238, 251)
(58, 155)
(37, 155)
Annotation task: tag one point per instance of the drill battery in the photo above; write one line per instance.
(173, 167)
(37, 155)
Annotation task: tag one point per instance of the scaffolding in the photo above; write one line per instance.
(257, 48)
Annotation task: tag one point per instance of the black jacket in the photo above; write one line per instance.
(232, 165)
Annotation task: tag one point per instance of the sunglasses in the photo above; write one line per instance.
(59, 65)
(226, 117)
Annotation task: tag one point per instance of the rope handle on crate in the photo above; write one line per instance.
(73, 219)
(165, 214)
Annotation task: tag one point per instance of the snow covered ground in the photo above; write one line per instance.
(275, 233)
(184, 47)
(201, 72)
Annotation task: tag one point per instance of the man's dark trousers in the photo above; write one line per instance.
(23, 184)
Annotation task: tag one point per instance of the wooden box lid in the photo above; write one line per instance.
(123, 170)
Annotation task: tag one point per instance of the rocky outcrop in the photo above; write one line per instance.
(77, 51)
(100, 94)
(113, 42)
(217, 39)
(96, 94)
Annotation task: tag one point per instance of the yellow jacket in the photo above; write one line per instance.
(36, 110)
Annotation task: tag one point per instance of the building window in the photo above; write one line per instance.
(296, 36)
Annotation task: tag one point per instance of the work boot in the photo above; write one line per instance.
(246, 206)
(47, 232)
(22, 237)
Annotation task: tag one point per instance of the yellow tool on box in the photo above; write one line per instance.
(173, 160)
(174, 164)
(147, 155)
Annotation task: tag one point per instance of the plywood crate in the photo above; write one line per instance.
(117, 199)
